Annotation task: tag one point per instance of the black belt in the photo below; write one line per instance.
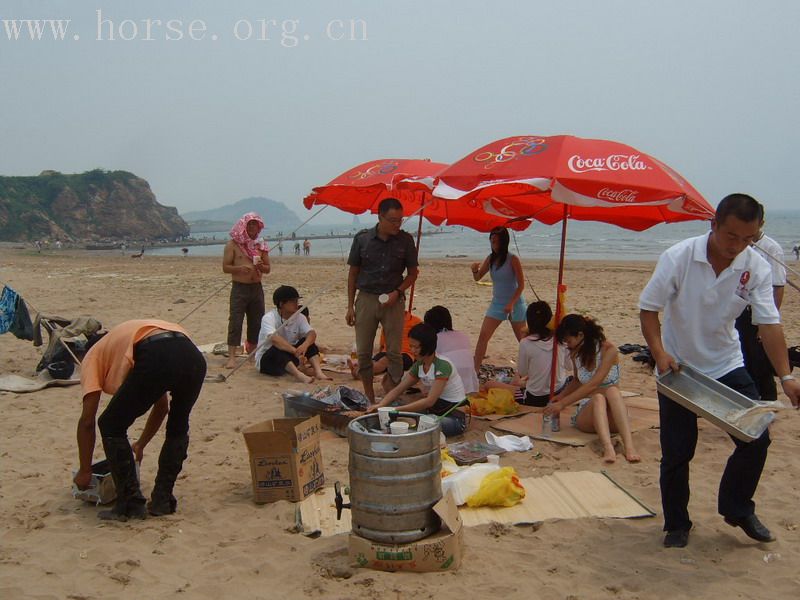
(160, 336)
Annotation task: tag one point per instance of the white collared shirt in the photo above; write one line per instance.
(700, 308)
(771, 250)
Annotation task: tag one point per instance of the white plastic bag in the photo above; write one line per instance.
(466, 481)
(510, 443)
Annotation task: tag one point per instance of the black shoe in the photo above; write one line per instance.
(752, 527)
(631, 348)
(676, 539)
(158, 506)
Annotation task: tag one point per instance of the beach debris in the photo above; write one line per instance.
(493, 372)
(772, 557)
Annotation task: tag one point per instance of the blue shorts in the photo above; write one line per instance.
(495, 311)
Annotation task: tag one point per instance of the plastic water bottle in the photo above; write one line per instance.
(555, 423)
(545, 423)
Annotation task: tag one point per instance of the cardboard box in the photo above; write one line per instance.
(285, 459)
(440, 552)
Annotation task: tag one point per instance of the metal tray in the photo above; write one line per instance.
(331, 417)
(729, 410)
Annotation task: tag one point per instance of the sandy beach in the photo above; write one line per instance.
(221, 545)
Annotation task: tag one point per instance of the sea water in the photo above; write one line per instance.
(585, 240)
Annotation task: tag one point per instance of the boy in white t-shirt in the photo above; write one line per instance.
(438, 378)
(286, 338)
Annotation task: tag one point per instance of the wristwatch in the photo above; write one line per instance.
(786, 378)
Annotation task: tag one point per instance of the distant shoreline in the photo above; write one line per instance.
(189, 242)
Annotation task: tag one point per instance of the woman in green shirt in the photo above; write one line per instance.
(438, 378)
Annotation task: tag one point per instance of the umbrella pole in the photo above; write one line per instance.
(419, 237)
(559, 308)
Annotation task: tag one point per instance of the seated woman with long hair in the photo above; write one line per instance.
(601, 408)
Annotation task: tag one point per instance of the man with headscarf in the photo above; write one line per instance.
(246, 258)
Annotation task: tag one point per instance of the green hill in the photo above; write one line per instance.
(94, 205)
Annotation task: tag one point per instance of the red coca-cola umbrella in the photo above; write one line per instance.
(548, 178)
(411, 181)
(563, 177)
(363, 187)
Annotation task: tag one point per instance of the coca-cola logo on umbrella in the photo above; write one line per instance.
(626, 196)
(614, 162)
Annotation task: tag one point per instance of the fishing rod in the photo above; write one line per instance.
(269, 249)
(282, 326)
(530, 285)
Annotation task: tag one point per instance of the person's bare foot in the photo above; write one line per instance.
(322, 376)
(632, 456)
(302, 378)
(609, 455)
(353, 366)
(231, 363)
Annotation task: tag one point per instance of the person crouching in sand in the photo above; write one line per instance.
(138, 362)
(286, 338)
(596, 366)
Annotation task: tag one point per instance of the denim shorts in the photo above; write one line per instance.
(495, 311)
(583, 403)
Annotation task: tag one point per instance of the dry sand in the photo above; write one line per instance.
(221, 545)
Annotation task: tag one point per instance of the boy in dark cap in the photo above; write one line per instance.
(286, 338)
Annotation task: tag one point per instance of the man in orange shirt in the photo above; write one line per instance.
(137, 363)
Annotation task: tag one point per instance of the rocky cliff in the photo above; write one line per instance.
(95, 205)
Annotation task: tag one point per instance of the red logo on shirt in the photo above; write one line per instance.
(744, 278)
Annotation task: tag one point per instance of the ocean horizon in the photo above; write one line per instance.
(585, 240)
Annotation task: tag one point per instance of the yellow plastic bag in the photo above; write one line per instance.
(449, 465)
(499, 488)
(497, 402)
(502, 401)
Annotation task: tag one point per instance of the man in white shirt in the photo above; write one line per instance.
(755, 359)
(702, 284)
(286, 337)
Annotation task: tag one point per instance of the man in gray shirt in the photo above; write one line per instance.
(378, 259)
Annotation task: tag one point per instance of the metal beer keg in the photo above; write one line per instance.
(394, 480)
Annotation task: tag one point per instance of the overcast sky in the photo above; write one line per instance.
(709, 87)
